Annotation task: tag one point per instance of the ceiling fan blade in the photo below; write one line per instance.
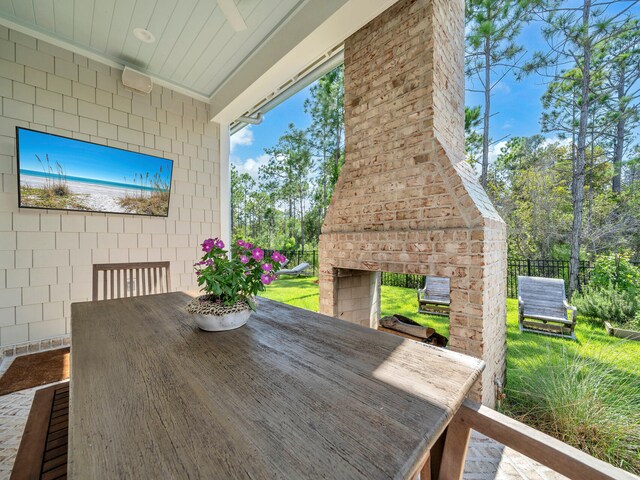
(230, 10)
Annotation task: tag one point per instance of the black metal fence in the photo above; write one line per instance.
(515, 268)
(544, 268)
(402, 280)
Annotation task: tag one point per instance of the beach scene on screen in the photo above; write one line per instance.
(62, 173)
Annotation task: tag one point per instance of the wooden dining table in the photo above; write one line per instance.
(292, 394)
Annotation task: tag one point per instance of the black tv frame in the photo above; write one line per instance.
(90, 143)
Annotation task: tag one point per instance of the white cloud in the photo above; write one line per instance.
(495, 150)
(251, 165)
(563, 142)
(243, 137)
(501, 87)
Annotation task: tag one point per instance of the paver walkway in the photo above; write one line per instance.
(486, 459)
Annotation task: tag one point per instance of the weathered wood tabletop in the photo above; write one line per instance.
(292, 394)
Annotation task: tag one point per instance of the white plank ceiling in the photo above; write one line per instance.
(196, 49)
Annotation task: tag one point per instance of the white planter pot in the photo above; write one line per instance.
(220, 323)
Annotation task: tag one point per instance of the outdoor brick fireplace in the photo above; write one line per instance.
(406, 200)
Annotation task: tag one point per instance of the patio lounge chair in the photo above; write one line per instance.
(542, 307)
(435, 296)
(297, 270)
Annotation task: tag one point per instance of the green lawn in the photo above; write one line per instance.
(585, 392)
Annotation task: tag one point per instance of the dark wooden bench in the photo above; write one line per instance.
(43, 448)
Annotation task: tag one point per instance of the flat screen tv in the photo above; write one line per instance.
(61, 173)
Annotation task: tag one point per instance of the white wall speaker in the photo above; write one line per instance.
(136, 81)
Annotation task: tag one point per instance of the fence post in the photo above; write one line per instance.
(528, 267)
(315, 270)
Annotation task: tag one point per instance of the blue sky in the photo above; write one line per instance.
(87, 160)
(247, 146)
(516, 110)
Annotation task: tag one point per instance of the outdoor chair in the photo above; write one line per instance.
(435, 297)
(121, 280)
(543, 307)
(297, 270)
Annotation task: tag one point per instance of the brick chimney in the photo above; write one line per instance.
(406, 201)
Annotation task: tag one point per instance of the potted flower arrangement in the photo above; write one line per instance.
(230, 282)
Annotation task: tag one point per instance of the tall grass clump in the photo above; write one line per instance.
(152, 197)
(583, 400)
(55, 184)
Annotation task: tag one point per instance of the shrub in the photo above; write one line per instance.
(584, 401)
(616, 271)
(605, 304)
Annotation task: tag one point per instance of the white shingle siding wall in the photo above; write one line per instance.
(46, 256)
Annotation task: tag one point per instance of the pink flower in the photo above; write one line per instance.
(267, 267)
(247, 273)
(257, 254)
(244, 259)
(248, 245)
(218, 243)
(278, 257)
(266, 279)
(240, 243)
(208, 244)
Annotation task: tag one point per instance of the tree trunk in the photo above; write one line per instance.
(324, 196)
(577, 187)
(487, 111)
(618, 148)
(302, 220)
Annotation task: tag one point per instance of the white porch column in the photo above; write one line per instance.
(225, 185)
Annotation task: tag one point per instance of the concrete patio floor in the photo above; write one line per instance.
(486, 459)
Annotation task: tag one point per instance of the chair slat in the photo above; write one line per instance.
(155, 280)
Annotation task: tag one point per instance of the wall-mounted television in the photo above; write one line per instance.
(61, 173)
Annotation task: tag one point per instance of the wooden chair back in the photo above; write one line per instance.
(542, 296)
(121, 280)
(437, 288)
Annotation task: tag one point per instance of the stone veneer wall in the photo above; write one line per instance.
(46, 257)
(406, 200)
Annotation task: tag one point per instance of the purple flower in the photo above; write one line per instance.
(266, 279)
(267, 267)
(218, 243)
(244, 259)
(240, 243)
(208, 263)
(248, 245)
(247, 273)
(198, 273)
(208, 244)
(257, 254)
(278, 257)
